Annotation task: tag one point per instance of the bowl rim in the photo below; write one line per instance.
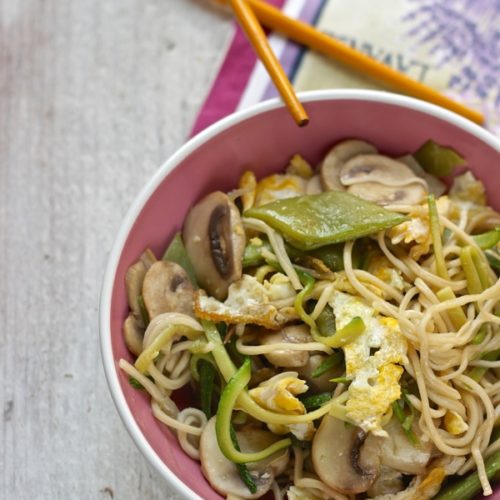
(175, 159)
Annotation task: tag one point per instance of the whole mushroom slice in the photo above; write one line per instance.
(133, 334)
(223, 475)
(166, 288)
(215, 241)
(134, 279)
(436, 187)
(411, 194)
(378, 168)
(345, 457)
(334, 160)
(287, 358)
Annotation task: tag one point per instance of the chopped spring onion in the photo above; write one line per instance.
(405, 420)
(468, 487)
(329, 363)
(316, 400)
(478, 372)
(207, 373)
(487, 240)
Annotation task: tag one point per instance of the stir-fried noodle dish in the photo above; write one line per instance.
(337, 328)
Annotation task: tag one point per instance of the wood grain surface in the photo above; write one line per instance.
(94, 96)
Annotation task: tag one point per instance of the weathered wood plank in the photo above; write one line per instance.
(94, 96)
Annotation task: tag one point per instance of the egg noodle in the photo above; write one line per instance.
(441, 323)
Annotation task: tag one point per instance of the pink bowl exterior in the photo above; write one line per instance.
(262, 139)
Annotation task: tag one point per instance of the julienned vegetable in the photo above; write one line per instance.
(234, 387)
(313, 221)
(375, 329)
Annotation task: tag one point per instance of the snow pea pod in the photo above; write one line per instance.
(313, 221)
(438, 160)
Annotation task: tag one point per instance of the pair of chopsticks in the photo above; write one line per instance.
(251, 13)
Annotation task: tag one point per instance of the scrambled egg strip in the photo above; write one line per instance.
(375, 376)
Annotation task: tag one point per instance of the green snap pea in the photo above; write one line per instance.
(312, 221)
(438, 160)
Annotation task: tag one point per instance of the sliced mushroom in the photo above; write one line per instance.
(215, 241)
(166, 288)
(314, 185)
(294, 334)
(400, 454)
(321, 383)
(134, 279)
(436, 187)
(411, 194)
(223, 475)
(148, 258)
(345, 457)
(389, 482)
(253, 439)
(378, 168)
(335, 159)
(133, 334)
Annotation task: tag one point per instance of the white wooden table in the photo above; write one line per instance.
(94, 96)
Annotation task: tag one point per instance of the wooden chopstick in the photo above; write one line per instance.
(311, 37)
(256, 36)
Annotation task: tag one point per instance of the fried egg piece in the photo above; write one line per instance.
(381, 268)
(416, 230)
(279, 187)
(454, 423)
(249, 301)
(375, 377)
(279, 394)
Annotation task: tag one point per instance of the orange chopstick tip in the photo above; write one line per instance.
(257, 38)
(303, 122)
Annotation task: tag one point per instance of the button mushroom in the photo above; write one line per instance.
(345, 457)
(411, 194)
(334, 160)
(133, 326)
(223, 474)
(382, 180)
(166, 288)
(436, 187)
(294, 334)
(133, 282)
(133, 334)
(215, 241)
